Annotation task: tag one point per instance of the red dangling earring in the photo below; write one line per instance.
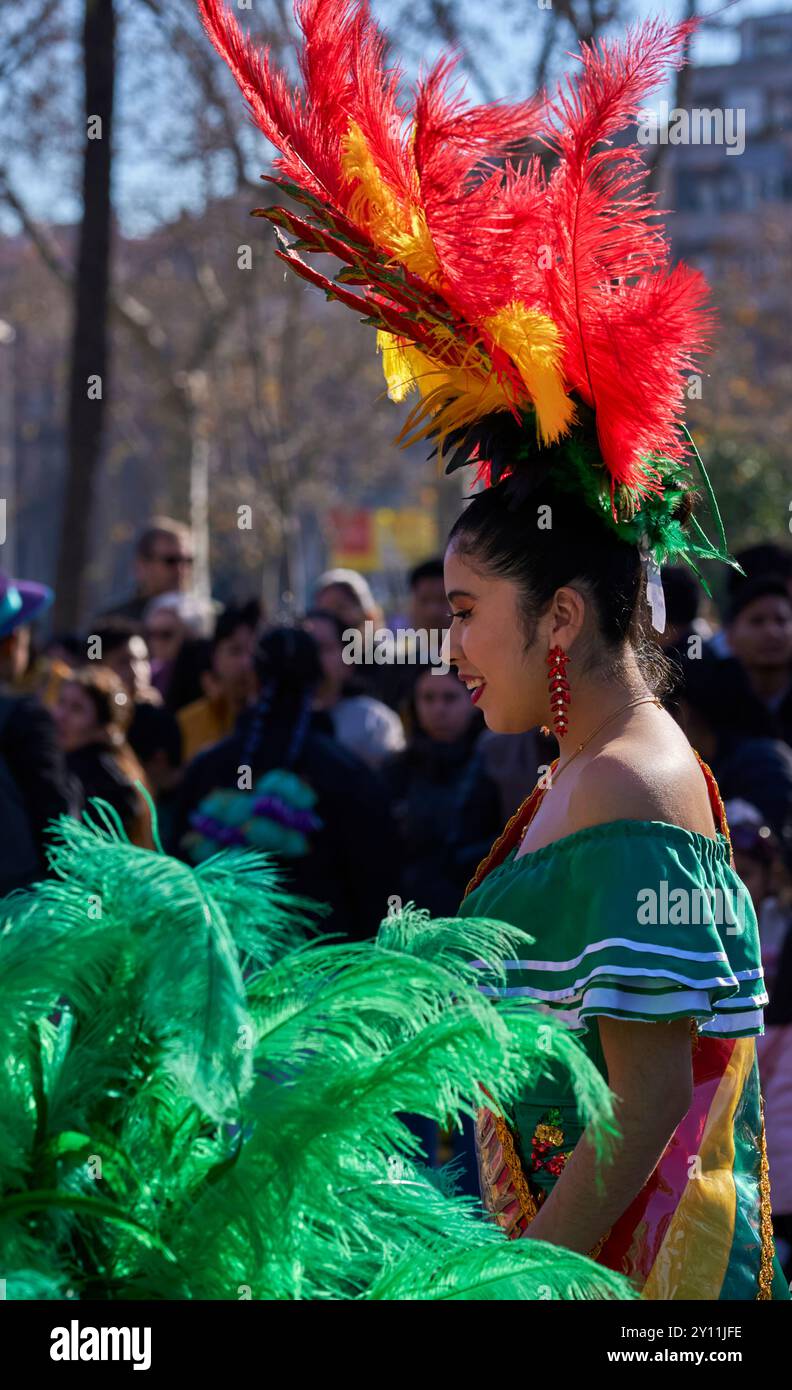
(559, 691)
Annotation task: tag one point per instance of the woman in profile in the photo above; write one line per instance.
(607, 865)
(547, 339)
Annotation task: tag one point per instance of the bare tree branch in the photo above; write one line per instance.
(20, 48)
(682, 83)
(443, 14)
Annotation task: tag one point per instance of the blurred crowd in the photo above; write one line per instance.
(375, 784)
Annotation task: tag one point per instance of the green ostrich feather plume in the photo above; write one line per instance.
(200, 1099)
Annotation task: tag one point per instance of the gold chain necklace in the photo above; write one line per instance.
(631, 704)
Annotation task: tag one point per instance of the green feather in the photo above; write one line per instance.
(524, 1269)
(243, 1089)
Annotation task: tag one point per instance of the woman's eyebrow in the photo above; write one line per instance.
(459, 593)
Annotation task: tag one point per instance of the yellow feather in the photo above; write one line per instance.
(372, 204)
(397, 365)
(451, 395)
(398, 228)
(533, 342)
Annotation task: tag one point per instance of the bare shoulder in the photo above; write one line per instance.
(631, 781)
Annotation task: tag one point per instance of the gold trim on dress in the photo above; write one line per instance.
(528, 1204)
(765, 1217)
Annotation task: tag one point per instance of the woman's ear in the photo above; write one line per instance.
(568, 616)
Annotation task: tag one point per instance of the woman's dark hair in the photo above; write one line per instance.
(105, 690)
(233, 617)
(547, 538)
(289, 669)
(287, 662)
(354, 683)
(192, 662)
(764, 586)
(323, 615)
(759, 561)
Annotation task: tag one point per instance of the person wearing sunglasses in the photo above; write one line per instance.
(163, 564)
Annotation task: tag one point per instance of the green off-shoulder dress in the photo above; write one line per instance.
(645, 921)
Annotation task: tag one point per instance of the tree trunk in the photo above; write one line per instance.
(90, 353)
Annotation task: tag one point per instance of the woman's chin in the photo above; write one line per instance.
(500, 721)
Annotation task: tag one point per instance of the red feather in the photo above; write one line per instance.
(631, 326)
(481, 212)
(307, 133)
(584, 246)
(381, 114)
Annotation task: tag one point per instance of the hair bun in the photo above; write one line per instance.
(684, 508)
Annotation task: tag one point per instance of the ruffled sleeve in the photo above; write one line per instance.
(633, 919)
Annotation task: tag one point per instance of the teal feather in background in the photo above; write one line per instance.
(202, 1098)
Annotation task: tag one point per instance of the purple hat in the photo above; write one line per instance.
(21, 600)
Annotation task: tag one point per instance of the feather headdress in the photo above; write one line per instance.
(536, 314)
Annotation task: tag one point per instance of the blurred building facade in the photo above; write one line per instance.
(721, 195)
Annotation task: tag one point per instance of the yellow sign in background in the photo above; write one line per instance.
(385, 538)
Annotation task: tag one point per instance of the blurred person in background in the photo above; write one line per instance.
(364, 725)
(281, 782)
(749, 693)
(446, 807)
(21, 667)
(347, 595)
(447, 813)
(682, 603)
(92, 715)
(747, 765)
(35, 786)
(683, 610)
(761, 868)
(169, 621)
(153, 732)
(228, 683)
(67, 649)
(760, 637)
(155, 739)
(163, 563)
(766, 560)
(512, 761)
(186, 684)
(428, 602)
(420, 645)
(125, 652)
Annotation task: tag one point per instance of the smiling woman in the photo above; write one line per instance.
(507, 556)
(547, 337)
(667, 1013)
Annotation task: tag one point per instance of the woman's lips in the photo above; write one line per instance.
(476, 693)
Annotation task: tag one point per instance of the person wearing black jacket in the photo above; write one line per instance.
(35, 786)
(751, 690)
(446, 806)
(351, 863)
(448, 811)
